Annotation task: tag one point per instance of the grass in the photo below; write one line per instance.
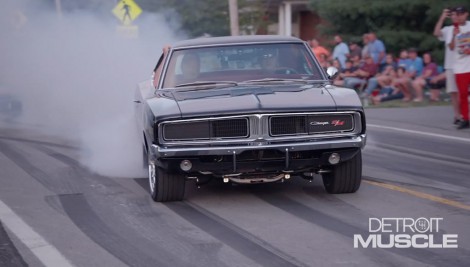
(445, 101)
(401, 104)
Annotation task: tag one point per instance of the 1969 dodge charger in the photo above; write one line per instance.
(247, 109)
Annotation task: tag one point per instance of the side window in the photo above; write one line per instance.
(157, 71)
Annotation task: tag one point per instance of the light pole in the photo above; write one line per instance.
(233, 10)
(58, 7)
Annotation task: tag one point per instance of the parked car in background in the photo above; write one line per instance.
(247, 109)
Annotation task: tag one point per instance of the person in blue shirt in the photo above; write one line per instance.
(376, 49)
(414, 67)
(341, 51)
(404, 60)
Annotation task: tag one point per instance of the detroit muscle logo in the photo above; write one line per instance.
(405, 233)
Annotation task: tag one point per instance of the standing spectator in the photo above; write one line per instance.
(376, 49)
(354, 49)
(365, 45)
(429, 72)
(444, 34)
(319, 50)
(341, 51)
(460, 43)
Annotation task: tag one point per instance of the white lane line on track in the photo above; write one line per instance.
(43, 250)
(455, 138)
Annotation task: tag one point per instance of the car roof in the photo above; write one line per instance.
(227, 40)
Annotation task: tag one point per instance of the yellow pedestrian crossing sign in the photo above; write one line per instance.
(127, 11)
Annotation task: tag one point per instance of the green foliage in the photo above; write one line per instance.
(197, 18)
(400, 24)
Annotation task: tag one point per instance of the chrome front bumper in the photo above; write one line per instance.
(336, 143)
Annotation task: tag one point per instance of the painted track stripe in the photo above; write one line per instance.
(430, 197)
(43, 250)
(454, 138)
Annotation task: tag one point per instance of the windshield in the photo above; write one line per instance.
(240, 63)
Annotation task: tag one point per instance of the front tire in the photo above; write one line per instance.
(345, 177)
(165, 187)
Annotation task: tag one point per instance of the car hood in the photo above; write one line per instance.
(253, 99)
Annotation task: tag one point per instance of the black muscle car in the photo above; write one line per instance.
(248, 109)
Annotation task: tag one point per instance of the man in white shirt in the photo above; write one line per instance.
(443, 34)
(459, 42)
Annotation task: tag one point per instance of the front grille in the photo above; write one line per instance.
(229, 128)
(257, 129)
(287, 125)
(310, 124)
(206, 129)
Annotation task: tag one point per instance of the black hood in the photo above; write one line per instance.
(253, 99)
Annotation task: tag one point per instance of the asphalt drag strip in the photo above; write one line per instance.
(233, 236)
(79, 211)
(440, 200)
(228, 233)
(332, 224)
(9, 255)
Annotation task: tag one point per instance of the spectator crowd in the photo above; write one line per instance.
(379, 76)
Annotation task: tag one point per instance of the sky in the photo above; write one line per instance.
(75, 76)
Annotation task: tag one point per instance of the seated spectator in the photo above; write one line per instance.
(403, 59)
(360, 76)
(436, 84)
(413, 69)
(365, 45)
(323, 60)
(391, 92)
(348, 71)
(429, 71)
(382, 79)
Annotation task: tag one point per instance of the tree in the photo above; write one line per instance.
(197, 18)
(398, 23)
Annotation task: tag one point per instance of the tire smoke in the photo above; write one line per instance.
(75, 77)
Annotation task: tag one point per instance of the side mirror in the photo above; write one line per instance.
(332, 73)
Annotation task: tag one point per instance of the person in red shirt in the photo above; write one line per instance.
(366, 70)
(429, 71)
(460, 43)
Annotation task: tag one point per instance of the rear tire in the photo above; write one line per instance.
(165, 187)
(345, 177)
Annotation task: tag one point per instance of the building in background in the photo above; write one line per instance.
(292, 18)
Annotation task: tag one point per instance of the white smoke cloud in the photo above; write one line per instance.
(76, 77)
